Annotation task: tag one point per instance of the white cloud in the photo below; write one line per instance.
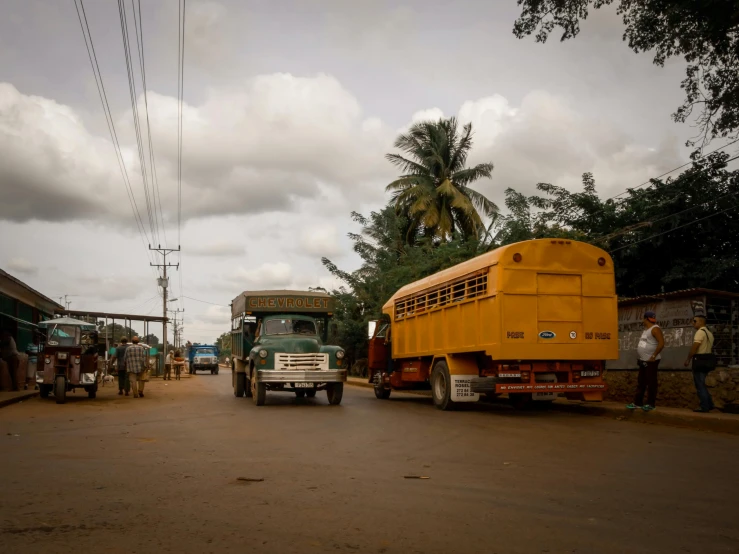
(217, 250)
(264, 146)
(22, 266)
(320, 239)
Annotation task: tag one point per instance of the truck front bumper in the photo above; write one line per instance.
(288, 376)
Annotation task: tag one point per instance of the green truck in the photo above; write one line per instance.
(278, 341)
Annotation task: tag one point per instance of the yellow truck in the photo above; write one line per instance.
(532, 320)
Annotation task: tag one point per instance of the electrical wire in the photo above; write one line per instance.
(139, 26)
(674, 229)
(206, 302)
(136, 120)
(92, 55)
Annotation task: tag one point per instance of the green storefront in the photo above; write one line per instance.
(21, 308)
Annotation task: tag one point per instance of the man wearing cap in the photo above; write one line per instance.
(648, 354)
(136, 360)
(702, 349)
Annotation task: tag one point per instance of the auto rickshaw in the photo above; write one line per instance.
(69, 358)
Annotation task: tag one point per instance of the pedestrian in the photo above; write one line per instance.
(703, 360)
(650, 345)
(124, 383)
(168, 365)
(9, 353)
(137, 361)
(178, 363)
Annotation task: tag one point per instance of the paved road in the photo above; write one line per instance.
(160, 474)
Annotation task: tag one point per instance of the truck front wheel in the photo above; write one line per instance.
(441, 386)
(60, 389)
(258, 392)
(239, 385)
(335, 391)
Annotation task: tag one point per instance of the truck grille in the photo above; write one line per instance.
(205, 361)
(301, 362)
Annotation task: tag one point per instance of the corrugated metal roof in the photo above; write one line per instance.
(684, 293)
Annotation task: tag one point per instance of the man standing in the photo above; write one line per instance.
(703, 360)
(124, 384)
(9, 353)
(168, 361)
(648, 351)
(137, 358)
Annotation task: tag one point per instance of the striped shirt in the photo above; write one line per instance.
(136, 358)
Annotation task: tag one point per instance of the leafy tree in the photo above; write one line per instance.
(705, 33)
(434, 192)
(115, 332)
(388, 263)
(674, 234)
(223, 343)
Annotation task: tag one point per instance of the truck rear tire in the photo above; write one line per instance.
(382, 393)
(335, 391)
(259, 393)
(441, 386)
(44, 390)
(60, 389)
(92, 391)
(300, 393)
(311, 393)
(239, 384)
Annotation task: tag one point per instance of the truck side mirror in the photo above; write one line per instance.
(371, 328)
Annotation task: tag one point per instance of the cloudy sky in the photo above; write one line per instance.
(290, 106)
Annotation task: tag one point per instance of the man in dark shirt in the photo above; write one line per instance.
(120, 356)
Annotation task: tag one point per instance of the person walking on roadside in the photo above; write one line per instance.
(648, 351)
(9, 353)
(703, 361)
(177, 364)
(168, 365)
(124, 383)
(137, 359)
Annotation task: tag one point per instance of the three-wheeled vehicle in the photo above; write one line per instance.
(69, 358)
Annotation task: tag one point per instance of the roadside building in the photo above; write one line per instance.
(21, 309)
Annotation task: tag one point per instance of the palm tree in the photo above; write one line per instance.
(434, 191)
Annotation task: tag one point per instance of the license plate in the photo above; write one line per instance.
(303, 385)
(593, 373)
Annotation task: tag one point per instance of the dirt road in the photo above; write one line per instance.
(161, 474)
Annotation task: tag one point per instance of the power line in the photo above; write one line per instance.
(136, 120)
(648, 222)
(139, 26)
(674, 229)
(180, 101)
(675, 169)
(206, 302)
(91, 54)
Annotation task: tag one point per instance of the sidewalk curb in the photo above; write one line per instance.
(717, 422)
(19, 398)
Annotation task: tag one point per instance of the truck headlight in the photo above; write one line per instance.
(262, 353)
(340, 355)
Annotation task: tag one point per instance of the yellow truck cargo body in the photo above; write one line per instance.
(538, 300)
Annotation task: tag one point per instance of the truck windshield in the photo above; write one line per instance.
(64, 335)
(289, 327)
(204, 352)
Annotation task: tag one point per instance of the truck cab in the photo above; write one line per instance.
(279, 345)
(204, 358)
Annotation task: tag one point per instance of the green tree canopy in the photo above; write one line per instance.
(433, 194)
(704, 33)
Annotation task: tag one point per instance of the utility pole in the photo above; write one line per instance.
(65, 300)
(164, 283)
(176, 327)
